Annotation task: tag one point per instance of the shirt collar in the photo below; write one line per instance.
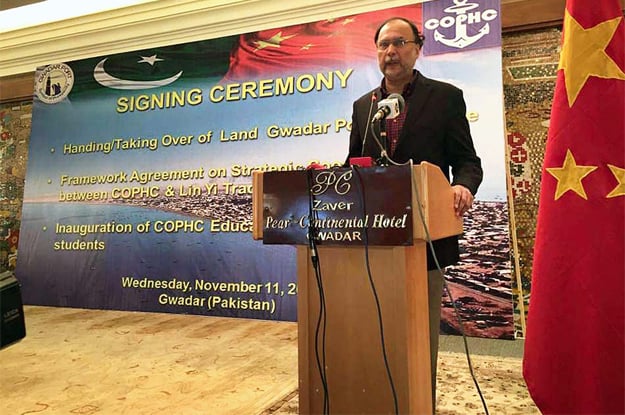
(408, 88)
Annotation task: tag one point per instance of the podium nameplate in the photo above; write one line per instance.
(347, 206)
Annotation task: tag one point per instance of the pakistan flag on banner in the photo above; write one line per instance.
(154, 67)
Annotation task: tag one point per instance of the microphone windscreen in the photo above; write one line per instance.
(400, 101)
(315, 166)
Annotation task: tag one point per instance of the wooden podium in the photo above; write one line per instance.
(386, 200)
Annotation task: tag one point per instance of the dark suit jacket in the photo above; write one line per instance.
(436, 130)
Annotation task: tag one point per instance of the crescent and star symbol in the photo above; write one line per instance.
(107, 80)
(149, 59)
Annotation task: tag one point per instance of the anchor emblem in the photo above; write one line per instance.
(462, 39)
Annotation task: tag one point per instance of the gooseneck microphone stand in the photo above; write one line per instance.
(382, 142)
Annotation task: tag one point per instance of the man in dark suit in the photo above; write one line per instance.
(433, 127)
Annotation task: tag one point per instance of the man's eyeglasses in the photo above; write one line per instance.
(399, 43)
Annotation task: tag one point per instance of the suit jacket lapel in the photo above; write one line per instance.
(418, 98)
(416, 105)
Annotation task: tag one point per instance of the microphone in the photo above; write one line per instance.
(374, 98)
(315, 166)
(389, 108)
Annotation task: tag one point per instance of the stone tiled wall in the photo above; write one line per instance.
(530, 62)
(14, 136)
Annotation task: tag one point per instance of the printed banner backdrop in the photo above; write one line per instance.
(138, 187)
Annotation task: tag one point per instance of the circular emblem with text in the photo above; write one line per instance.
(54, 82)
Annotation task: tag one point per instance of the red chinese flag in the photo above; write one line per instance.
(328, 44)
(574, 348)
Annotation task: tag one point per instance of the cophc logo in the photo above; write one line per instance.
(54, 83)
(462, 15)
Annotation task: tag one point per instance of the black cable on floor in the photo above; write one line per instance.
(446, 287)
(375, 293)
(321, 318)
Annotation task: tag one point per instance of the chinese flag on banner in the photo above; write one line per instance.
(327, 44)
(574, 347)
